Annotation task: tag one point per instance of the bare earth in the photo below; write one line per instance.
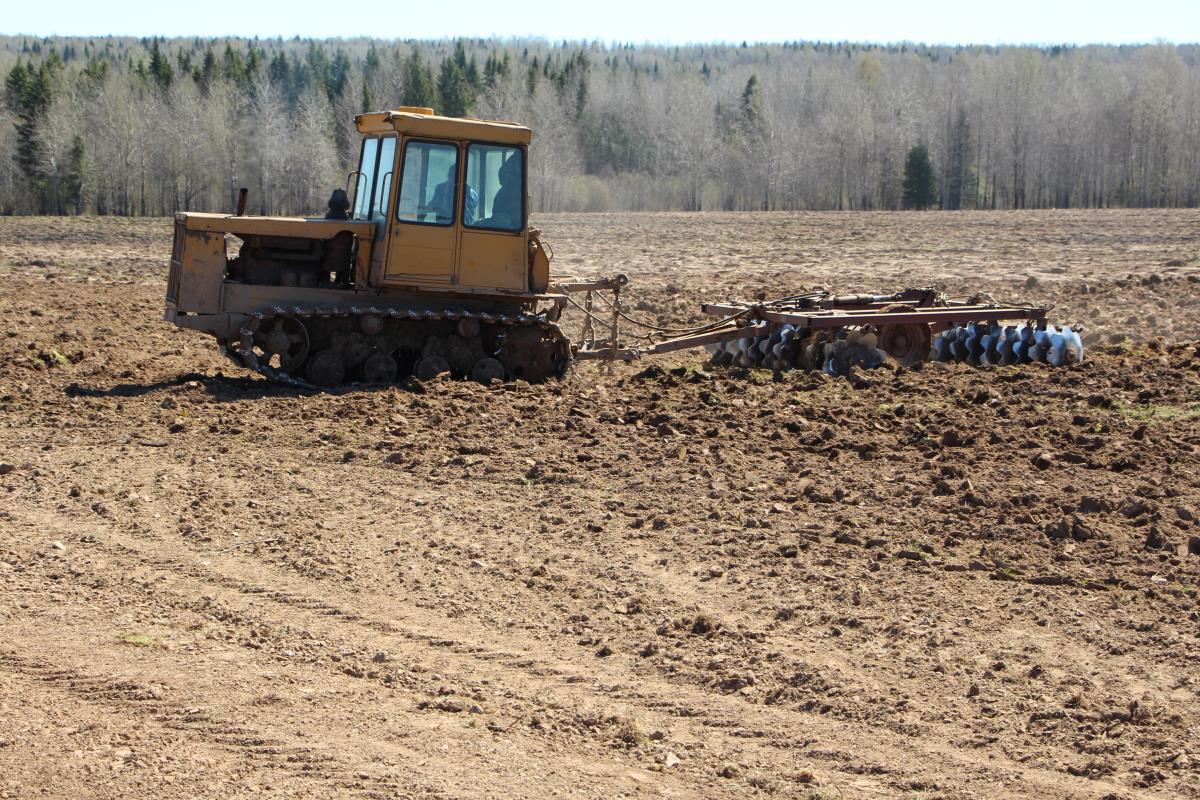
(948, 582)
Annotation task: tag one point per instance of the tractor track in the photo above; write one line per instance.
(259, 590)
(245, 742)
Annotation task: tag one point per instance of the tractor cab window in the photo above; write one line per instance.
(385, 175)
(428, 183)
(497, 174)
(374, 178)
(366, 178)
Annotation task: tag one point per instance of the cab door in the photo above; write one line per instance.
(423, 241)
(492, 250)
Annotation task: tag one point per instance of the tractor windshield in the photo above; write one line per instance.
(374, 177)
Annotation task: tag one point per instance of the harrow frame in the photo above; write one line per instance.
(814, 310)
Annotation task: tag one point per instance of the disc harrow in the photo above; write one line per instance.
(835, 334)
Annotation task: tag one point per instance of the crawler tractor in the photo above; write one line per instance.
(426, 264)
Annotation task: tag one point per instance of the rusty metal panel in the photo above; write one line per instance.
(539, 266)
(713, 337)
(201, 272)
(873, 315)
(362, 261)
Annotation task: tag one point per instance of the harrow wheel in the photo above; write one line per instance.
(907, 343)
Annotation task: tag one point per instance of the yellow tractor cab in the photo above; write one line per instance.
(449, 201)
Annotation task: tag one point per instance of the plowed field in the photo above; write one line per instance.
(650, 581)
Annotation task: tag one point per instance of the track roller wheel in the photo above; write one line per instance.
(380, 368)
(325, 369)
(430, 367)
(486, 370)
(468, 327)
(353, 347)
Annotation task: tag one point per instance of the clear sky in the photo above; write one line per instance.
(929, 21)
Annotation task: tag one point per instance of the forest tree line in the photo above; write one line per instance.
(125, 126)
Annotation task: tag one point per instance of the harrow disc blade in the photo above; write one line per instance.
(959, 350)
(1024, 345)
(1005, 346)
(1056, 354)
(876, 358)
(988, 357)
(1041, 345)
(1074, 343)
(813, 356)
(973, 343)
(942, 345)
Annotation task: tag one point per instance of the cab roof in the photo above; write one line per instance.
(423, 122)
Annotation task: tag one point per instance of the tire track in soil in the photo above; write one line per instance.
(768, 732)
(232, 736)
(186, 584)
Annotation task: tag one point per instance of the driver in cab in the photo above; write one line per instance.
(443, 200)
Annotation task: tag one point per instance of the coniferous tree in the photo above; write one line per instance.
(207, 72)
(373, 62)
(919, 188)
(160, 67)
(279, 72)
(959, 175)
(531, 79)
(233, 67)
(28, 93)
(418, 82)
(74, 180)
(454, 90)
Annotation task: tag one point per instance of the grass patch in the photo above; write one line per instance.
(1154, 412)
(137, 639)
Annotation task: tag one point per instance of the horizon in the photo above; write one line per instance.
(934, 23)
(608, 44)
